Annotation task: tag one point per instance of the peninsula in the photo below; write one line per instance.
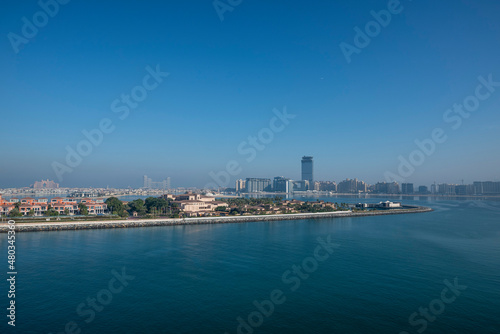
(189, 209)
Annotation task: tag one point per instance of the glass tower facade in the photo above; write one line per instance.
(307, 169)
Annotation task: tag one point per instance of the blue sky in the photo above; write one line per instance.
(226, 77)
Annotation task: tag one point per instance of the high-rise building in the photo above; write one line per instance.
(347, 186)
(446, 189)
(45, 184)
(282, 184)
(301, 185)
(325, 186)
(464, 189)
(148, 183)
(351, 186)
(393, 188)
(407, 188)
(253, 185)
(361, 186)
(423, 190)
(166, 183)
(240, 185)
(386, 188)
(307, 169)
(487, 187)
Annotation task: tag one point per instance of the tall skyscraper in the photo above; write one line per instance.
(307, 169)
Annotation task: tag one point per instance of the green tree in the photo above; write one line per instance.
(115, 205)
(83, 209)
(31, 213)
(51, 212)
(155, 205)
(15, 213)
(137, 206)
(124, 212)
(174, 209)
(66, 212)
(235, 211)
(220, 208)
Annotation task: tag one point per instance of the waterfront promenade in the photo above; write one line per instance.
(128, 223)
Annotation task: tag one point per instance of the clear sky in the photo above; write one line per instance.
(227, 76)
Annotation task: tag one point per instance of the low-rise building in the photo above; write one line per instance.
(59, 204)
(195, 204)
(381, 205)
(199, 207)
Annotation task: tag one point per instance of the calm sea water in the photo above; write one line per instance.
(201, 279)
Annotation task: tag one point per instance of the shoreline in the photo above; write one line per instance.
(373, 195)
(61, 226)
(295, 193)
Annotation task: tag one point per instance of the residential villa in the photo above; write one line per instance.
(95, 206)
(195, 204)
(60, 204)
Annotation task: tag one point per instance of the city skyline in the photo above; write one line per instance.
(306, 182)
(288, 185)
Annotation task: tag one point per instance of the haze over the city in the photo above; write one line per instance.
(228, 79)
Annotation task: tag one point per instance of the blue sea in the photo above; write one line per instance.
(436, 272)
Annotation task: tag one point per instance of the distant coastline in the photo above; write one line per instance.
(370, 195)
(131, 223)
(296, 193)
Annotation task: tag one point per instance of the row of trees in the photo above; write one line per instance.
(237, 205)
(311, 207)
(152, 206)
(241, 201)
